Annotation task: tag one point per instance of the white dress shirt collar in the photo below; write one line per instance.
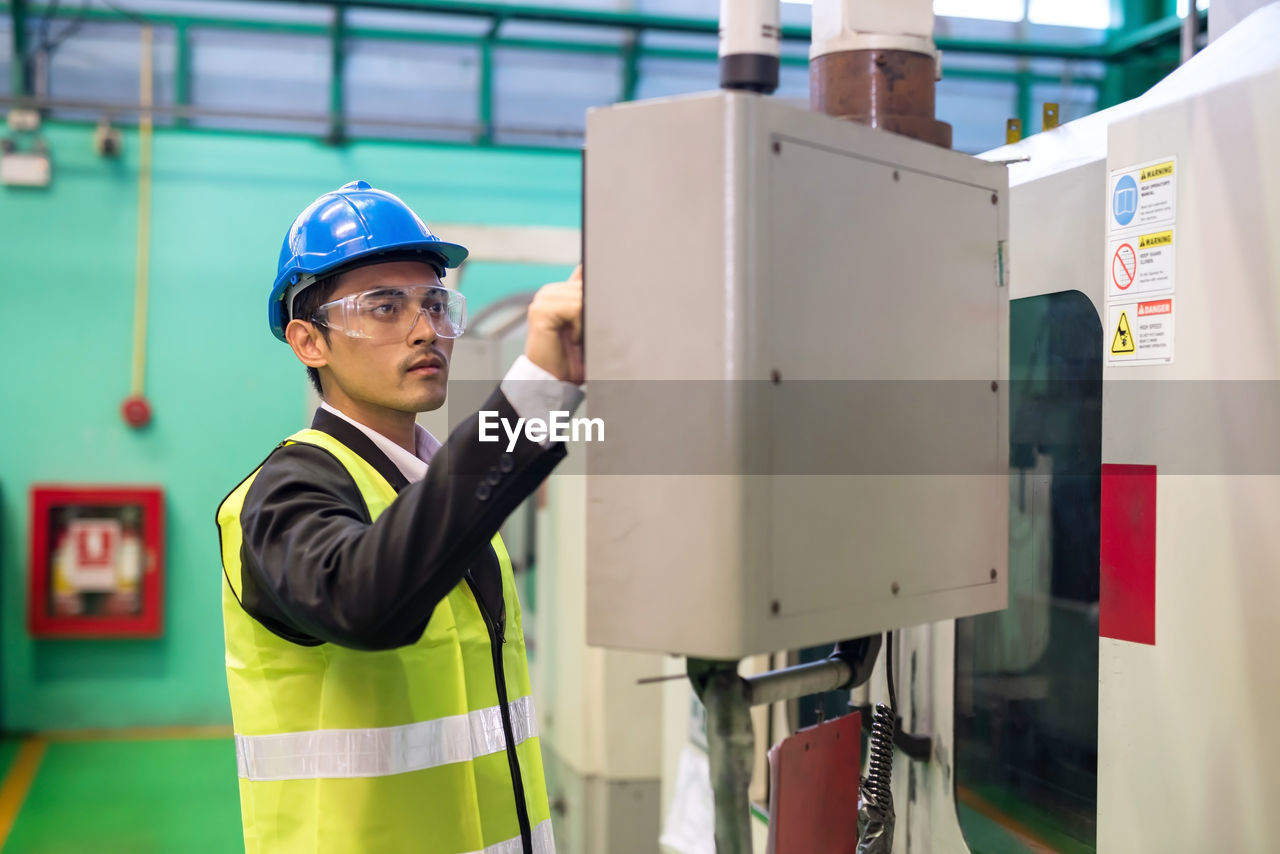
(532, 392)
(412, 466)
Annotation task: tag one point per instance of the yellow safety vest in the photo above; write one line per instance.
(342, 751)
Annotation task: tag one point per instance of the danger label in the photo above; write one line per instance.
(1140, 333)
(1141, 264)
(1122, 341)
(1142, 195)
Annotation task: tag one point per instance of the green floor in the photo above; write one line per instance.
(8, 749)
(129, 797)
(176, 796)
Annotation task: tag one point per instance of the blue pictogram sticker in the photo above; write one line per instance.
(1124, 201)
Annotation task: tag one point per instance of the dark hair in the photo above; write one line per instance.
(304, 306)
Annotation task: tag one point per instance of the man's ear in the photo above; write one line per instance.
(308, 343)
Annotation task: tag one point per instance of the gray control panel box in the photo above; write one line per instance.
(797, 338)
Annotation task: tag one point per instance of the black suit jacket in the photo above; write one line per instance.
(315, 569)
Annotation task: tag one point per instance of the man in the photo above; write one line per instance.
(375, 658)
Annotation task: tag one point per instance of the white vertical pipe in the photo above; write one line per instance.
(750, 26)
(840, 25)
(750, 44)
(1190, 32)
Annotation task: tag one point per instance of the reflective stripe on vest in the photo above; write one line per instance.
(399, 751)
(543, 842)
(382, 751)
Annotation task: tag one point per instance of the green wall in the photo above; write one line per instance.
(223, 390)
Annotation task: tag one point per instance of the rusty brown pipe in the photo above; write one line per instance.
(893, 90)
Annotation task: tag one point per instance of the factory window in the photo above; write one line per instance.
(101, 62)
(1074, 100)
(385, 95)
(260, 81)
(988, 10)
(1090, 14)
(1026, 701)
(991, 10)
(541, 97)
(976, 110)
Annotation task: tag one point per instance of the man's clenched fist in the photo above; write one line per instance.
(554, 342)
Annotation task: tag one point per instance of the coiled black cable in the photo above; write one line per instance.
(878, 784)
(875, 801)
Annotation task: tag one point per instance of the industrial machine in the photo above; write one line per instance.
(797, 337)
(1174, 287)
(856, 383)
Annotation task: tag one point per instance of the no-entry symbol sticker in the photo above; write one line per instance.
(1124, 266)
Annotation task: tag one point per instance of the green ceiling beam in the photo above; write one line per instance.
(550, 15)
(1039, 50)
(1143, 50)
(630, 69)
(1108, 51)
(97, 15)
(1151, 36)
(337, 64)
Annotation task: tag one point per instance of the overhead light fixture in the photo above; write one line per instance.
(29, 167)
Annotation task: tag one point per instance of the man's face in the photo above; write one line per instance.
(405, 375)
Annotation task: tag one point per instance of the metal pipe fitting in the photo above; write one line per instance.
(799, 681)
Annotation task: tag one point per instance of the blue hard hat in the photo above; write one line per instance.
(354, 223)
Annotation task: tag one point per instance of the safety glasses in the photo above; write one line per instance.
(383, 314)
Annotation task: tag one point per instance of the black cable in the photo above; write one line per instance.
(768, 731)
(768, 739)
(48, 45)
(42, 36)
(875, 795)
(888, 670)
(71, 29)
(46, 23)
(139, 19)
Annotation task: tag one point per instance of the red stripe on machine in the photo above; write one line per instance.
(1127, 598)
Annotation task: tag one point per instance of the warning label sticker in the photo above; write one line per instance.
(1141, 264)
(1140, 333)
(1122, 341)
(1141, 196)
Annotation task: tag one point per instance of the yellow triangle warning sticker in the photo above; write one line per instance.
(1123, 340)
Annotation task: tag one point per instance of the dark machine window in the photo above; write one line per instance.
(1026, 702)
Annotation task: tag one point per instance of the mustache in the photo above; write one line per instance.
(430, 353)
